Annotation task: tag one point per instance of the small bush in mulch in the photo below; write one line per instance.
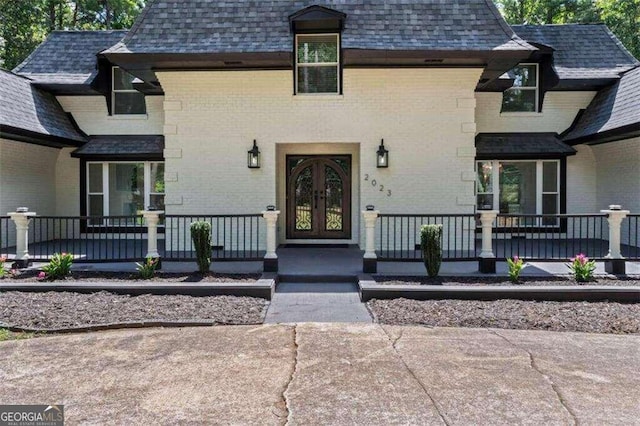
(163, 277)
(501, 281)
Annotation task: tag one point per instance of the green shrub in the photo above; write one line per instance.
(3, 271)
(201, 237)
(515, 267)
(582, 268)
(59, 266)
(147, 269)
(430, 243)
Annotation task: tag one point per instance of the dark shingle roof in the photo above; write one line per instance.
(614, 107)
(27, 108)
(68, 57)
(520, 145)
(147, 146)
(208, 26)
(581, 51)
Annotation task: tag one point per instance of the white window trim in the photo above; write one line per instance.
(105, 183)
(495, 176)
(318, 64)
(537, 91)
(113, 99)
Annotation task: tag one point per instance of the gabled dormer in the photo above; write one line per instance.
(317, 19)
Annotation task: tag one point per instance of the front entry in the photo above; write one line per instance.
(319, 197)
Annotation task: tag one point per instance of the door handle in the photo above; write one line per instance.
(315, 197)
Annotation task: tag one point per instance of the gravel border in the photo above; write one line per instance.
(502, 281)
(67, 310)
(589, 317)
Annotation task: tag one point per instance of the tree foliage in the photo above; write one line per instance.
(25, 23)
(621, 16)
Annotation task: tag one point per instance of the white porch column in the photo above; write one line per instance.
(369, 262)
(487, 263)
(614, 263)
(22, 218)
(151, 219)
(271, 257)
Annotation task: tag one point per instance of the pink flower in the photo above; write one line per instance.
(516, 258)
(3, 259)
(42, 275)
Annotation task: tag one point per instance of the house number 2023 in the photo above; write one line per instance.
(374, 183)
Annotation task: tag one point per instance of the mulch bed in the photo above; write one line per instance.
(587, 317)
(161, 277)
(65, 309)
(500, 281)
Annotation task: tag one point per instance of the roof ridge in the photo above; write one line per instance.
(136, 24)
(31, 55)
(568, 24)
(88, 31)
(6, 71)
(620, 45)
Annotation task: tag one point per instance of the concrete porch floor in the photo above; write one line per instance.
(346, 262)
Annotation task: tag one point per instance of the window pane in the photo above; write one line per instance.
(317, 49)
(95, 205)
(122, 80)
(549, 176)
(485, 201)
(550, 206)
(156, 201)
(485, 177)
(126, 189)
(157, 177)
(129, 103)
(523, 76)
(318, 79)
(95, 178)
(518, 188)
(519, 100)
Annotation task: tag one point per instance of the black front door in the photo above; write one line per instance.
(319, 196)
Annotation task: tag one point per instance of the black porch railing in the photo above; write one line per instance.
(398, 236)
(7, 235)
(88, 238)
(551, 237)
(630, 237)
(235, 237)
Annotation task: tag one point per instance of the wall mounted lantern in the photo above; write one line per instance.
(382, 157)
(253, 157)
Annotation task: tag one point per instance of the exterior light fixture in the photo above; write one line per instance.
(253, 157)
(382, 157)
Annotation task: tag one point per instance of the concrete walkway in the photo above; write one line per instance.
(331, 374)
(316, 302)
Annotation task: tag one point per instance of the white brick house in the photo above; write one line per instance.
(473, 115)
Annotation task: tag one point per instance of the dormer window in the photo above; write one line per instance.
(317, 63)
(125, 99)
(523, 95)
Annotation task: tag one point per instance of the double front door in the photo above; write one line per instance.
(319, 197)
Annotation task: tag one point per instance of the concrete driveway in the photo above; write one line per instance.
(328, 374)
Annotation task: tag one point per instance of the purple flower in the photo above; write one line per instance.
(42, 275)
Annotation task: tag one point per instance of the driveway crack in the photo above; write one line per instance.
(534, 366)
(294, 370)
(437, 407)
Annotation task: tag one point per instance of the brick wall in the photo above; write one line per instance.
(90, 112)
(558, 112)
(426, 117)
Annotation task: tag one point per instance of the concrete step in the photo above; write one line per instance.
(317, 278)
